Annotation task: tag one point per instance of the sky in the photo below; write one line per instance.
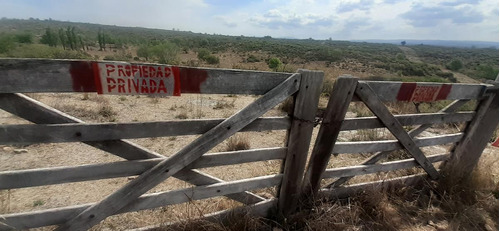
(473, 20)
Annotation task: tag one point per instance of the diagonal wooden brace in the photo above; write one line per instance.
(414, 132)
(181, 159)
(37, 112)
(368, 96)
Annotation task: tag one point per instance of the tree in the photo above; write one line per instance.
(403, 43)
(62, 38)
(49, 38)
(101, 39)
(274, 63)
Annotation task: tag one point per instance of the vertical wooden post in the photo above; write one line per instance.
(341, 96)
(306, 104)
(477, 135)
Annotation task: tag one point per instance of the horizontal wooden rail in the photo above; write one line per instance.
(390, 145)
(407, 120)
(384, 167)
(388, 91)
(51, 75)
(60, 215)
(59, 175)
(78, 132)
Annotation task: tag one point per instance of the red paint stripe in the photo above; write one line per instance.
(97, 77)
(191, 79)
(443, 92)
(406, 91)
(177, 83)
(495, 143)
(82, 75)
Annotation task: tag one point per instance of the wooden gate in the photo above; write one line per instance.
(27, 76)
(374, 94)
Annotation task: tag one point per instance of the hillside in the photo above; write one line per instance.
(57, 39)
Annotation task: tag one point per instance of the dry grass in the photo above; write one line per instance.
(237, 142)
(470, 205)
(287, 106)
(223, 104)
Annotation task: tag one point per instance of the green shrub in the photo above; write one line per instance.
(486, 72)
(211, 59)
(455, 65)
(204, 54)
(24, 38)
(252, 59)
(7, 43)
(274, 63)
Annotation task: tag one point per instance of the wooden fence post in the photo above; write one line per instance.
(341, 96)
(478, 133)
(299, 138)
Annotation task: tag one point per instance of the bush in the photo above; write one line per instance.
(7, 43)
(211, 59)
(24, 38)
(274, 63)
(204, 54)
(486, 72)
(455, 65)
(252, 59)
(167, 53)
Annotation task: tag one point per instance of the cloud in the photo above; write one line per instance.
(275, 19)
(421, 16)
(225, 21)
(460, 2)
(363, 5)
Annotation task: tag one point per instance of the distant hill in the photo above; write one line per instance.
(444, 43)
(21, 38)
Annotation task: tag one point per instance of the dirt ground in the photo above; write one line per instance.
(99, 108)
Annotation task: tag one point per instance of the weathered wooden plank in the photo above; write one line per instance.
(299, 138)
(391, 145)
(50, 133)
(37, 112)
(44, 75)
(414, 132)
(397, 91)
(477, 135)
(60, 215)
(384, 167)
(365, 92)
(181, 159)
(407, 120)
(59, 175)
(346, 191)
(34, 111)
(340, 97)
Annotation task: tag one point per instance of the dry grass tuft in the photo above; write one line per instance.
(183, 115)
(237, 142)
(287, 106)
(222, 104)
(107, 112)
